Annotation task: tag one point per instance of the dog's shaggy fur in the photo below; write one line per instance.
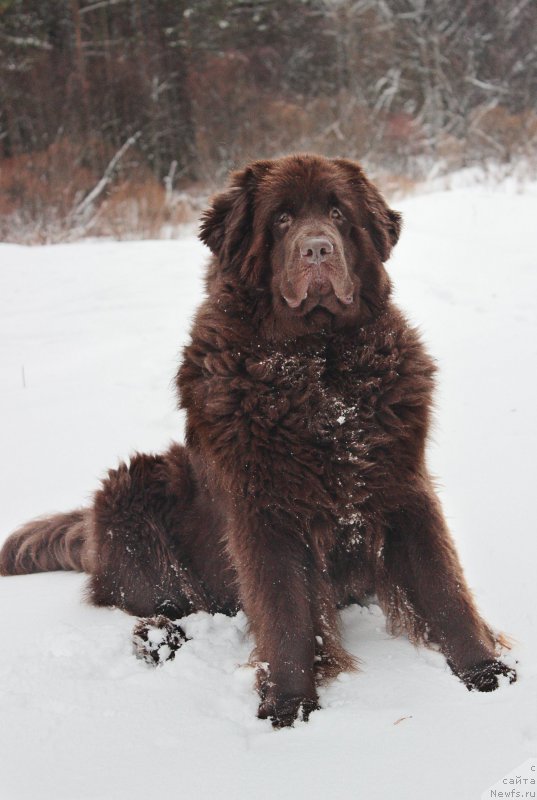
(302, 486)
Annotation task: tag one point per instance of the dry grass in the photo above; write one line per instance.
(41, 191)
(141, 208)
(39, 194)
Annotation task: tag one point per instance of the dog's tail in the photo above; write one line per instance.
(58, 542)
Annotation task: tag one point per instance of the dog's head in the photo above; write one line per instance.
(313, 231)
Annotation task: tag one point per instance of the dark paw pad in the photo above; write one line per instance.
(483, 677)
(284, 711)
(156, 639)
(172, 610)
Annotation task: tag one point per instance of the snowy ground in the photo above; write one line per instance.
(89, 341)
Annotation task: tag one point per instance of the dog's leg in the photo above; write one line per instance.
(273, 564)
(330, 656)
(139, 538)
(422, 588)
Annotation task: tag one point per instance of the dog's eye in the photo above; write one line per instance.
(283, 219)
(335, 213)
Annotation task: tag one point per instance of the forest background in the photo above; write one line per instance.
(120, 117)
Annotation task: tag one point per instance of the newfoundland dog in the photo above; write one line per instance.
(303, 485)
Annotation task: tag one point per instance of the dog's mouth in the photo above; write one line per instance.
(328, 302)
(327, 285)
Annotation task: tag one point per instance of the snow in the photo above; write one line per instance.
(90, 336)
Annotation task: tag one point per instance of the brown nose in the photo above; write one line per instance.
(316, 249)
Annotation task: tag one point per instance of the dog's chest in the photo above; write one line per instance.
(326, 398)
(321, 409)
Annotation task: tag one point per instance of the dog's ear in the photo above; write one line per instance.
(384, 224)
(227, 225)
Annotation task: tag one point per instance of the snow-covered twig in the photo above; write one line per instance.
(101, 4)
(168, 182)
(86, 205)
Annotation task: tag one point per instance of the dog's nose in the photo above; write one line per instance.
(316, 249)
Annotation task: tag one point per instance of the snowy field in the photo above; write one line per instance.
(90, 336)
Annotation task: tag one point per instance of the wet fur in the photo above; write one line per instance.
(302, 486)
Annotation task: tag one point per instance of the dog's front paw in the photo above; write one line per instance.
(157, 639)
(283, 711)
(486, 676)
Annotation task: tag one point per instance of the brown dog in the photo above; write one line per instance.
(302, 486)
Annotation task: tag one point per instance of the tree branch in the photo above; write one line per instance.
(86, 205)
